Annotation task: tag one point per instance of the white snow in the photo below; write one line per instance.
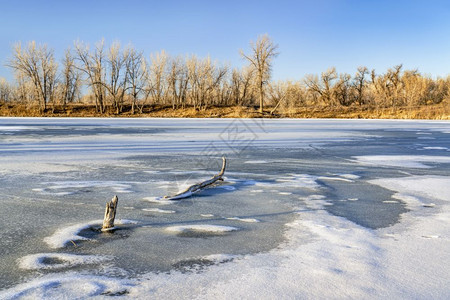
(435, 148)
(68, 234)
(255, 162)
(403, 161)
(158, 210)
(67, 286)
(418, 188)
(295, 180)
(285, 193)
(349, 176)
(227, 187)
(159, 200)
(63, 260)
(334, 178)
(201, 228)
(54, 187)
(246, 220)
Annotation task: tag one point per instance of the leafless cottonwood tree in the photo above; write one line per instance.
(5, 91)
(177, 80)
(192, 71)
(37, 63)
(157, 78)
(92, 64)
(263, 51)
(322, 86)
(359, 83)
(137, 76)
(70, 79)
(342, 90)
(117, 75)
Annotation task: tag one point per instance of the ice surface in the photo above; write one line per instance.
(323, 209)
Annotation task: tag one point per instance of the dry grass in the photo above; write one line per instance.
(431, 112)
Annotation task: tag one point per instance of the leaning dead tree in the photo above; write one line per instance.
(199, 186)
(110, 214)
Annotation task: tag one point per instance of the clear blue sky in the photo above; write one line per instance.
(312, 35)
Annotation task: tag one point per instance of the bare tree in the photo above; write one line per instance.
(117, 75)
(176, 81)
(137, 76)
(93, 67)
(278, 93)
(38, 64)
(5, 91)
(192, 71)
(158, 76)
(359, 83)
(342, 90)
(262, 54)
(322, 87)
(71, 79)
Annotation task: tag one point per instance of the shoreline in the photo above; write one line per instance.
(429, 112)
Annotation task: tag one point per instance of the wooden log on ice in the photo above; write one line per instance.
(199, 186)
(110, 214)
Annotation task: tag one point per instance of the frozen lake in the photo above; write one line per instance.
(308, 208)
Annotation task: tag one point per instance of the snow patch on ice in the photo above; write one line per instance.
(207, 215)
(349, 176)
(68, 286)
(159, 200)
(227, 187)
(334, 178)
(435, 148)
(62, 260)
(403, 161)
(285, 193)
(255, 162)
(19, 128)
(201, 228)
(417, 190)
(297, 181)
(158, 210)
(71, 233)
(246, 220)
(315, 201)
(72, 187)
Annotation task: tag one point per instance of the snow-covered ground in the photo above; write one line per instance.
(308, 209)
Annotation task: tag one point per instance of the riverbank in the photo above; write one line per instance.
(431, 112)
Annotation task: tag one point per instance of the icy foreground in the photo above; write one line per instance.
(309, 209)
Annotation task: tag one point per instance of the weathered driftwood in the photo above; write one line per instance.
(199, 186)
(110, 214)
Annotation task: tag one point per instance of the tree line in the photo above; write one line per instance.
(122, 79)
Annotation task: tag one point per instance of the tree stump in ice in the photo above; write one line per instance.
(110, 214)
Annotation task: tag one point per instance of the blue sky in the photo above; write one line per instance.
(312, 35)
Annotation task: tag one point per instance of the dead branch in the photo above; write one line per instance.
(199, 186)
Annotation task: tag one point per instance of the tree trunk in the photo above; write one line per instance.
(110, 214)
